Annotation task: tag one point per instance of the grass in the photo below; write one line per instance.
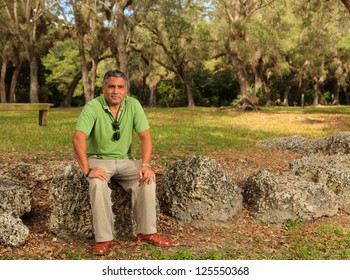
(176, 132)
(181, 132)
(20, 131)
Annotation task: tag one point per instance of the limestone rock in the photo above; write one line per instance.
(12, 230)
(15, 199)
(71, 210)
(198, 188)
(333, 171)
(275, 198)
(338, 143)
(70, 206)
(296, 143)
(21, 171)
(318, 145)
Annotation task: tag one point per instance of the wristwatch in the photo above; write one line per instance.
(88, 173)
(146, 164)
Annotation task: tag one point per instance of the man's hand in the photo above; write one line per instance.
(147, 175)
(98, 173)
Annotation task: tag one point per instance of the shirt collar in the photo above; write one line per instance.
(106, 108)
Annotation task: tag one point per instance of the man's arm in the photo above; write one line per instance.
(146, 173)
(146, 146)
(79, 144)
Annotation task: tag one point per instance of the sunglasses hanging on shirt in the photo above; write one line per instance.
(116, 135)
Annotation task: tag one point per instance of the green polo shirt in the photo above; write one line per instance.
(96, 120)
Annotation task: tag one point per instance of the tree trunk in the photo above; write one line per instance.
(286, 94)
(2, 80)
(269, 100)
(189, 95)
(93, 77)
(318, 83)
(152, 85)
(336, 92)
(322, 99)
(339, 73)
(187, 88)
(242, 77)
(67, 102)
(84, 70)
(258, 85)
(121, 38)
(33, 94)
(347, 95)
(145, 97)
(152, 97)
(14, 78)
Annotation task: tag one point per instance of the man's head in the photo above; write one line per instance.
(114, 73)
(115, 87)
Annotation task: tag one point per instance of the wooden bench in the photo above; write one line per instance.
(41, 107)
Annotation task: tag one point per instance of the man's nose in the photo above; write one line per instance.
(115, 90)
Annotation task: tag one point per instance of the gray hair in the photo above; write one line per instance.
(115, 73)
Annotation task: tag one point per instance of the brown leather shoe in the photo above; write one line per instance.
(155, 239)
(101, 248)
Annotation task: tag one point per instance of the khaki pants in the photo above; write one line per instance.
(143, 197)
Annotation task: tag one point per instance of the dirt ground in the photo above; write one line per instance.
(197, 237)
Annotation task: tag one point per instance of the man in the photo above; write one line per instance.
(102, 142)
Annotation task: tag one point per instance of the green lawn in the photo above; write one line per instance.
(176, 132)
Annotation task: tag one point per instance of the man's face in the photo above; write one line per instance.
(114, 91)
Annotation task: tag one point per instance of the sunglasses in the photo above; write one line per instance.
(116, 135)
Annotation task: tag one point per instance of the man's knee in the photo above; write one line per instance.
(148, 189)
(98, 187)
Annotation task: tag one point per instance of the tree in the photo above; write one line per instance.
(271, 47)
(87, 26)
(179, 37)
(146, 70)
(28, 21)
(5, 58)
(63, 62)
(10, 51)
(150, 74)
(119, 35)
(270, 35)
(99, 25)
(343, 69)
(322, 27)
(232, 18)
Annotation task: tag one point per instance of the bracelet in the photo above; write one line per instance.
(87, 174)
(146, 164)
